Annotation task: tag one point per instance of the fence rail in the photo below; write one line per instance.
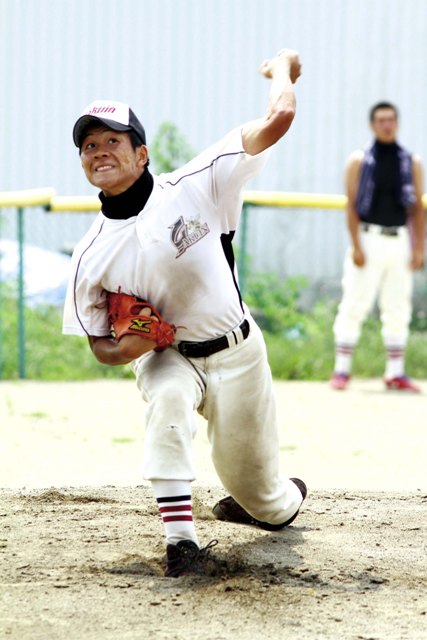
(47, 198)
(69, 204)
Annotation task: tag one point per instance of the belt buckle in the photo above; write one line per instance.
(182, 348)
(389, 231)
(188, 349)
(209, 347)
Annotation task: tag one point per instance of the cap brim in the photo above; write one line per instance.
(83, 122)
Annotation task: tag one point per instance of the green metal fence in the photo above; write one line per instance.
(20, 200)
(47, 198)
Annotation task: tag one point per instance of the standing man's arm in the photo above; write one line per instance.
(418, 218)
(284, 70)
(352, 176)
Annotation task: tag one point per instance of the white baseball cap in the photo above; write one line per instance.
(117, 116)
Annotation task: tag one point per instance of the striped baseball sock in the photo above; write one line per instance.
(395, 365)
(343, 357)
(175, 505)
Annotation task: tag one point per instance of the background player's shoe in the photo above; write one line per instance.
(402, 383)
(339, 381)
(185, 558)
(229, 510)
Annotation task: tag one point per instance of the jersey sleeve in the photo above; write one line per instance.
(232, 179)
(222, 171)
(85, 308)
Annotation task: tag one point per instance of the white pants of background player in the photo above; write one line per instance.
(233, 390)
(386, 276)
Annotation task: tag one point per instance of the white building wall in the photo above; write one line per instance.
(194, 62)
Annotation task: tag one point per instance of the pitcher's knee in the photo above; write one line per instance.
(275, 507)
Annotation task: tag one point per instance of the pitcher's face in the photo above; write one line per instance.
(109, 160)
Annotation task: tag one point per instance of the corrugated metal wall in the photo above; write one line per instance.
(194, 62)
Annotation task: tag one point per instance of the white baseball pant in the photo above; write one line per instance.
(387, 276)
(233, 390)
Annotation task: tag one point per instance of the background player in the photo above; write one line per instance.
(167, 240)
(384, 186)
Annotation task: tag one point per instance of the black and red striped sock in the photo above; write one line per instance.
(175, 506)
(343, 357)
(395, 363)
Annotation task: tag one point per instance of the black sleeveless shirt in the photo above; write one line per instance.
(386, 209)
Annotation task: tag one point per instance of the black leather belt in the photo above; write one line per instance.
(383, 231)
(207, 348)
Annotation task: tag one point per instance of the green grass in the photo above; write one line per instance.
(312, 356)
(300, 343)
(49, 355)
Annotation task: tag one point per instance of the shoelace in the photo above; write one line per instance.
(205, 550)
(190, 557)
(191, 554)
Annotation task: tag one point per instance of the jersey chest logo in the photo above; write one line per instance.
(185, 233)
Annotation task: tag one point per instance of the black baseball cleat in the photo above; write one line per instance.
(229, 510)
(185, 558)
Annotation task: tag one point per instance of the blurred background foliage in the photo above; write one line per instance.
(169, 149)
(299, 341)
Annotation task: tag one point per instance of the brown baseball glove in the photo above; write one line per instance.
(131, 315)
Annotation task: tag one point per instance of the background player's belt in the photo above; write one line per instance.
(207, 348)
(383, 231)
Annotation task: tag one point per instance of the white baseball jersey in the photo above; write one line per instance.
(172, 253)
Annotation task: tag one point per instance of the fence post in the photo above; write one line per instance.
(1, 314)
(21, 295)
(242, 262)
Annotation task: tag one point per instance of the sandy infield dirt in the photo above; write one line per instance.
(81, 541)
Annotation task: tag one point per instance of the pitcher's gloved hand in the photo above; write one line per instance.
(128, 314)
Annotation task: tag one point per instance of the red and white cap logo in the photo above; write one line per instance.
(118, 111)
(114, 115)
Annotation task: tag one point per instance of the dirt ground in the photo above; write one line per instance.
(81, 542)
